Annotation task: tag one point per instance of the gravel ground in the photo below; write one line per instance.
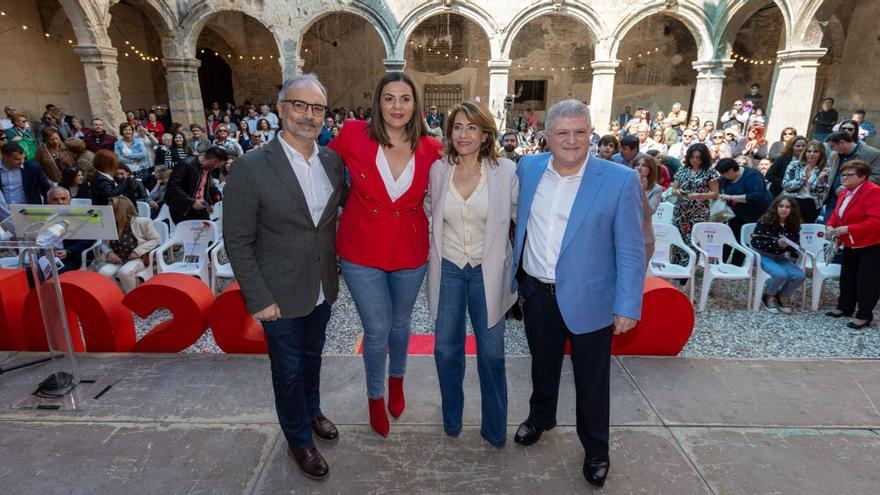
(725, 329)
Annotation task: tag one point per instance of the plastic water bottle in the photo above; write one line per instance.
(50, 235)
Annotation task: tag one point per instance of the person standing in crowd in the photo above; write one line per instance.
(383, 232)
(21, 135)
(695, 185)
(163, 152)
(82, 157)
(131, 151)
(8, 119)
(52, 155)
(281, 205)
(567, 295)
(50, 121)
(678, 118)
(75, 182)
(824, 120)
(734, 116)
(754, 96)
(125, 257)
(150, 144)
(807, 180)
(179, 150)
(472, 200)
(188, 194)
(855, 224)
(845, 148)
(21, 181)
(198, 143)
(649, 172)
(679, 149)
(133, 121)
(774, 232)
(509, 145)
(746, 193)
(98, 139)
(777, 147)
(104, 184)
(326, 131)
(77, 130)
(629, 151)
(753, 147)
(266, 114)
(137, 191)
(153, 125)
(645, 141)
(264, 129)
(531, 119)
(866, 129)
(608, 147)
(227, 142)
(852, 128)
(794, 147)
(624, 117)
(435, 119)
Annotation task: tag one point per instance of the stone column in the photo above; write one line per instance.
(184, 93)
(292, 67)
(394, 65)
(793, 89)
(499, 72)
(710, 82)
(602, 92)
(102, 83)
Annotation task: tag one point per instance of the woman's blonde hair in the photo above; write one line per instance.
(478, 116)
(653, 169)
(124, 212)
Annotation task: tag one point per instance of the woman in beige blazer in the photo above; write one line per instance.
(124, 258)
(471, 201)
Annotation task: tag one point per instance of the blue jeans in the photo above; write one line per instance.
(786, 277)
(384, 301)
(295, 346)
(461, 291)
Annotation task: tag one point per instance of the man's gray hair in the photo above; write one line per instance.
(301, 79)
(58, 188)
(567, 109)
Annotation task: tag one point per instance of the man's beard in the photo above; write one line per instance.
(508, 148)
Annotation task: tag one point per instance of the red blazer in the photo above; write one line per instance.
(373, 230)
(862, 216)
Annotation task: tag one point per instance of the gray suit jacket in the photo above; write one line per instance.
(866, 153)
(277, 253)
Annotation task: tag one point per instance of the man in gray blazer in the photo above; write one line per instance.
(279, 224)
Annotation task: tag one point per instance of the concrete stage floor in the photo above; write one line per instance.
(206, 424)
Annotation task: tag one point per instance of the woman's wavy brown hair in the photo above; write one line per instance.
(415, 128)
(477, 115)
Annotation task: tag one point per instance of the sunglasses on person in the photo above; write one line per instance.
(848, 129)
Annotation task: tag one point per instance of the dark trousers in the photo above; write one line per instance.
(738, 257)
(192, 214)
(860, 281)
(590, 359)
(295, 347)
(809, 212)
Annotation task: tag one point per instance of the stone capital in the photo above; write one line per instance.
(712, 69)
(499, 66)
(394, 65)
(606, 67)
(806, 57)
(96, 55)
(182, 64)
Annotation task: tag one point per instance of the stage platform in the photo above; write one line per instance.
(189, 424)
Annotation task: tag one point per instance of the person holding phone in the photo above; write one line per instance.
(776, 234)
(188, 194)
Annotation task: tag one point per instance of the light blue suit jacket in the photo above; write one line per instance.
(601, 267)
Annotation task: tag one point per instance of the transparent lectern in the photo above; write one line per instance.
(39, 232)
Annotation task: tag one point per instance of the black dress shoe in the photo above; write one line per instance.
(836, 314)
(528, 434)
(856, 326)
(596, 470)
(324, 429)
(310, 462)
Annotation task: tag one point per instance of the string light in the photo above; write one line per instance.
(747, 60)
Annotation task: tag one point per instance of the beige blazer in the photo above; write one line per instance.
(146, 234)
(503, 188)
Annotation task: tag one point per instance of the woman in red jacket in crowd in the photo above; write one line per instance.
(383, 231)
(855, 223)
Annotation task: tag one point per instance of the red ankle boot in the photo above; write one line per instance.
(396, 400)
(378, 417)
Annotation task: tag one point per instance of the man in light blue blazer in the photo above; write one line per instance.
(579, 260)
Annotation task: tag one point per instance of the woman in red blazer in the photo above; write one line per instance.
(383, 231)
(855, 223)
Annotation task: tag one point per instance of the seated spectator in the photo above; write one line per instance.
(764, 166)
(718, 149)
(98, 139)
(136, 192)
(754, 146)
(694, 123)
(668, 167)
(806, 178)
(773, 231)
(326, 131)
(777, 147)
(53, 156)
(153, 125)
(21, 181)
(660, 140)
(265, 130)
(735, 116)
(77, 129)
(133, 121)
(21, 135)
(776, 174)
(179, 150)
(614, 129)
(157, 192)
(163, 152)
(104, 184)
(256, 142)
(125, 258)
(82, 157)
(745, 191)
(647, 167)
(679, 149)
(199, 143)
(229, 144)
(131, 151)
(68, 251)
(608, 147)
(629, 151)
(227, 121)
(75, 182)
(50, 121)
(243, 136)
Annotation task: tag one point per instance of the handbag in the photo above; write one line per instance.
(720, 211)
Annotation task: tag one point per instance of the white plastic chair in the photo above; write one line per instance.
(761, 276)
(813, 241)
(217, 217)
(709, 239)
(218, 269)
(664, 214)
(80, 202)
(195, 237)
(143, 209)
(666, 236)
(164, 215)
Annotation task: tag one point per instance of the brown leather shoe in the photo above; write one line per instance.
(324, 429)
(310, 462)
